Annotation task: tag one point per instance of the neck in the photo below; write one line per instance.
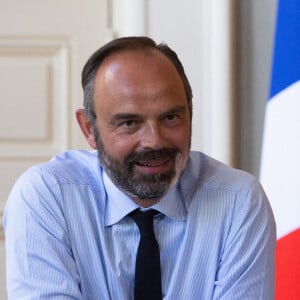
(145, 202)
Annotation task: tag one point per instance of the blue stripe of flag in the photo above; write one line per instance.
(286, 60)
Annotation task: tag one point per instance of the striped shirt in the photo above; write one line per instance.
(68, 234)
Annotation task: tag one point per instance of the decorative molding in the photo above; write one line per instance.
(129, 17)
(1, 227)
(51, 57)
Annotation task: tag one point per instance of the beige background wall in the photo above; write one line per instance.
(43, 45)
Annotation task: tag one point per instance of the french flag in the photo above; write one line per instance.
(280, 161)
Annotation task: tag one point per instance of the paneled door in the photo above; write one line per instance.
(43, 46)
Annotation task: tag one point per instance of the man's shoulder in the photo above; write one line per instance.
(211, 173)
(68, 172)
(73, 166)
(207, 180)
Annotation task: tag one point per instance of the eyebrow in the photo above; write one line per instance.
(174, 110)
(123, 116)
(132, 116)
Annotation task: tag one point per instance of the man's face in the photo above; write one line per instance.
(143, 122)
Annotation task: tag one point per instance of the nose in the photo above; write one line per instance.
(151, 136)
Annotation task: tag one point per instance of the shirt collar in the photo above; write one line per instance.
(119, 205)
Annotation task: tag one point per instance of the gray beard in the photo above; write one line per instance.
(142, 186)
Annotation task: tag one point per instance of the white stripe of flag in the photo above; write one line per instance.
(280, 161)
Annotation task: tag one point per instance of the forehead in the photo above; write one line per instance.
(136, 76)
(143, 83)
(136, 71)
(137, 83)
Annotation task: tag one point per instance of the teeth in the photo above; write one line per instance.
(152, 164)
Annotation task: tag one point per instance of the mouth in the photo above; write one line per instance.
(152, 162)
(153, 166)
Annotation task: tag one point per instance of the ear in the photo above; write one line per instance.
(86, 127)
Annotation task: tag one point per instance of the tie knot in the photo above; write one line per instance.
(144, 220)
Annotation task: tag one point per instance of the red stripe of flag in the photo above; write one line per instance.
(288, 267)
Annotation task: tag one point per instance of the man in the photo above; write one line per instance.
(70, 230)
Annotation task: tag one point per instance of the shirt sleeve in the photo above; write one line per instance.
(39, 259)
(246, 269)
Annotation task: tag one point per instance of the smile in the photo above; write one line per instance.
(153, 166)
(152, 163)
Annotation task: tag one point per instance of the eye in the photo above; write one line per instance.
(172, 118)
(128, 124)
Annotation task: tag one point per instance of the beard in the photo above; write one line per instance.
(140, 185)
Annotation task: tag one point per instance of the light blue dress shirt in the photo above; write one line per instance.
(68, 235)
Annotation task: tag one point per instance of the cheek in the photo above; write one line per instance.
(116, 145)
(120, 147)
(181, 138)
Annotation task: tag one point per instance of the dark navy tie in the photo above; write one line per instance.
(147, 267)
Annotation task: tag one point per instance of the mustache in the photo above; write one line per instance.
(151, 154)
